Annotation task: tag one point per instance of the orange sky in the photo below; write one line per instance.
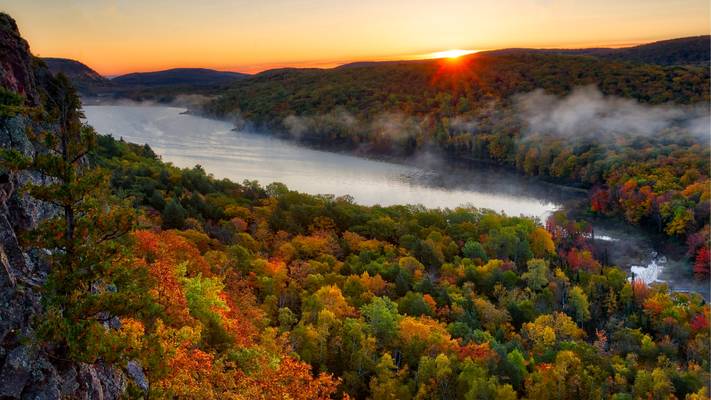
(122, 36)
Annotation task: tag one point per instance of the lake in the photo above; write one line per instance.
(186, 140)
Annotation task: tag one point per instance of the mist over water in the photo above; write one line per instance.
(187, 140)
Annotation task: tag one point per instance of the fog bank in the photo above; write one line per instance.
(587, 112)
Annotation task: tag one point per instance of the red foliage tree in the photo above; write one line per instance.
(701, 264)
(700, 323)
(600, 200)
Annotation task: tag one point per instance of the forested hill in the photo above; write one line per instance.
(157, 85)
(467, 82)
(85, 79)
(449, 88)
(695, 50)
(179, 76)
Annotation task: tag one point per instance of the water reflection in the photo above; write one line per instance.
(187, 140)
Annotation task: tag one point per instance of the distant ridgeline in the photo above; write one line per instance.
(161, 86)
(694, 50)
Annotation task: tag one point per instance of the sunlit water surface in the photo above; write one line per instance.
(187, 140)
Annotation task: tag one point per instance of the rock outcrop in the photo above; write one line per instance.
(16, 71)
(26, 370)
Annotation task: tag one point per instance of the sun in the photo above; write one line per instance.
(454, 53)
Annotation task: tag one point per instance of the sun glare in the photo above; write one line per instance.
(454, 53)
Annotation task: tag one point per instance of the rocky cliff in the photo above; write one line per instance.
(27, 370)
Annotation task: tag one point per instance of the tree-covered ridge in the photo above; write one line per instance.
(397, 302)
(444, 88)
(693, 50)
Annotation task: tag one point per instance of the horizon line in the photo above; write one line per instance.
(254, 69)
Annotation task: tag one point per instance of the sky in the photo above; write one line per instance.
(120, 36)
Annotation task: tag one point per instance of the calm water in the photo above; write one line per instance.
(187, 140)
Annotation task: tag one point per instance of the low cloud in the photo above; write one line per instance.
(396, 126)
(297, 126)
(462, 124)
(190, 101)
(587, 112)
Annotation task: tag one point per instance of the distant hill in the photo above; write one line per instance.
(695, 50)
(179, 77)
(346, 84)
(438, 89)
(689, 50)
(85, 79)
(359, 64)
(161, 86)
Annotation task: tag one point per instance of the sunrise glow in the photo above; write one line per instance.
(451, 53)
(118, 37)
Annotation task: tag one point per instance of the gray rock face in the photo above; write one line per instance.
(135, 372)
(28, 372)
(16, 372)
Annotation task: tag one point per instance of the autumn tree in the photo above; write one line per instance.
(537, 275)
(382, 318)
(387, 383)
(579, 304)
(174, 215)
(476, 384)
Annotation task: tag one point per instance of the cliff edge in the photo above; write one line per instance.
(27, 370)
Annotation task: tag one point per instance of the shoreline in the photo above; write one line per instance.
(452, 163)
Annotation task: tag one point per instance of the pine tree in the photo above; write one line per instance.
(90, 280)
(173, 215)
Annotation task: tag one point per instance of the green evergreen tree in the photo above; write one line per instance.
(90, 280)
(173, 215)
(474, 249)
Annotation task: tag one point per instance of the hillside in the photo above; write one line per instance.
(179, 77)
(85, 79)
(161, 86)
(694, 50)
(466, 84)
(89, 83)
